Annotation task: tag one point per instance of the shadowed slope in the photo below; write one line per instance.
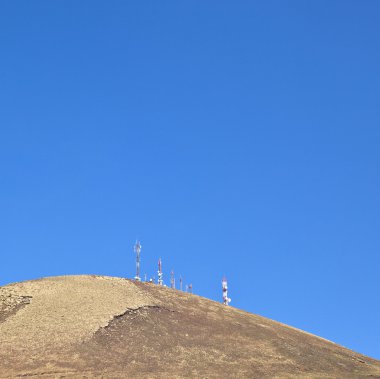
(93, 326)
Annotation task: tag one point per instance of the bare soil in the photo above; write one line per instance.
(94, 326)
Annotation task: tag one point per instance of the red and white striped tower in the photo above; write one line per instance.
(172, 280)
(160, 281)
(226, 299)
(137, 251)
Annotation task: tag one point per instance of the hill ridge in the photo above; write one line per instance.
(94, 326)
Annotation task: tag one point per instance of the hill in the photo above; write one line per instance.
(96, 326)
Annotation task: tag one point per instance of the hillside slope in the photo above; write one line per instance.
(94, 326)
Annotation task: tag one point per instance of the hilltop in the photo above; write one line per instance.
(97, 326)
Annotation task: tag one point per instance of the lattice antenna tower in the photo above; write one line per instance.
(180, 283)
(226, 299)
(159, 273)
(137, 251)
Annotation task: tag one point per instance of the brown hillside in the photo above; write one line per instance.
(94, 326)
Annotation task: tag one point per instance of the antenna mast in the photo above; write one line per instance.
(226, 299)
(180, 282)
(160, 281)
(137, 251)
(172, 280)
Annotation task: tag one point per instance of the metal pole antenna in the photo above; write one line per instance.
(172, 279)
(180, 283)
(137, 251)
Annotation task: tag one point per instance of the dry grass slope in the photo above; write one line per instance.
(94, 326)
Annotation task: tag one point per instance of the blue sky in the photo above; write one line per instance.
(237, 138)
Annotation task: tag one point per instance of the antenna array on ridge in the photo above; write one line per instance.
(188, 288)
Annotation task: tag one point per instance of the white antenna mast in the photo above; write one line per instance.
(159, 273)
(226, 299)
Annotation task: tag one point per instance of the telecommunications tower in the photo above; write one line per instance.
(159, 273)
(226, 299)
(172, 280)
(180, 283)
(137, 251)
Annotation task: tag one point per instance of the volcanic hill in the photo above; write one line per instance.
(96, 326)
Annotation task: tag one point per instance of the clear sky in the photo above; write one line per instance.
(230, 137)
